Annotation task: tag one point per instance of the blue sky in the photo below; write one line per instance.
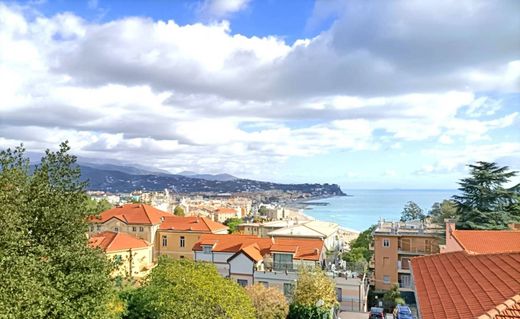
(366, 94)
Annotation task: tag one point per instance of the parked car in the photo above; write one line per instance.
(376, 313)
(402, 312)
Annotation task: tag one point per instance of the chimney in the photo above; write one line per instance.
(450, 226)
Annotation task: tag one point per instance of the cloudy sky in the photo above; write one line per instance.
(367, 94)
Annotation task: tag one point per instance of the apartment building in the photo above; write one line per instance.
(224, 213)
(133, 255)
(177, 235)
(326, 231)
(249, 259)
(263, 229)
(394, 244)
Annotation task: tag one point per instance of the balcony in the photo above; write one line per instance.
(281, 266)
(403, 266)
(417, 251)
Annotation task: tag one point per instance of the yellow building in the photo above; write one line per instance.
(395, 243)
(133, 255)
(177, 235)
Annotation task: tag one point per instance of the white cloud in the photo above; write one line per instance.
(222, 8)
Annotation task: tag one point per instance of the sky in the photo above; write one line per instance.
(366, 94)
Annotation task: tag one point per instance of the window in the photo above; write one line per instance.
(141, 229)
(288, 289)
(386, 279)
(182, 241)
(91, 228)
(282, 261)
(242, 282)
(339, 294)
(134, 229)
(206, 249)
(164, 241)
(116, 229)
(98, 228)
(265, 283)
(182, 257)
(386, 242)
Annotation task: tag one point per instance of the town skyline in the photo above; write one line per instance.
(291, 92)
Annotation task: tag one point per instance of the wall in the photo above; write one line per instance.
(173, 249)
(141, 258)
(385, 261)
(241, 264)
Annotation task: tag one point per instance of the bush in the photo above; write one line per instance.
(269, 303)
(308, 312)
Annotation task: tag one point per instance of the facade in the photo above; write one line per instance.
(133, 255)
(394, 245)
(223, 213)
(177, 235)
(328, 232)
(461, 285)
(249, 259)
(263, 229)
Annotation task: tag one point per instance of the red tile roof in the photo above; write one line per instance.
(507, 310)
(225, 210)
(459, 285)
(111, 241)
(132, 214)
(307, 249)
(488, 241)
(191, 223)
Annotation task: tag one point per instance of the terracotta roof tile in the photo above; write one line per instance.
(488, 241)
(307, 249)
(111, 241)
(459, 285)
(191, 223)
(132, 214)
(225, 210)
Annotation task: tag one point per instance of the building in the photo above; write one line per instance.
(133, 255)
(249, 259)
(139, 220)
(263, 229)
(328, 232)
(224, 213)
(463, 285)
(480, 241)
(394, 244)
(177, 235)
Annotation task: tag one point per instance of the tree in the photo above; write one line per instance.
(485, 203)
(269, 303)
(178, 211)
(263, 211)
(187, 289)
(312, 286)
(412, 211)
(392, 294)
(360, 253)
(232, 224)
(441, 211)
(47, 269)
(98, 206)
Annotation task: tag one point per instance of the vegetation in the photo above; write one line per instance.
(412, 211)
(359, 255)
(314, 289)
(232, 224)
(441, 211)
(178, 211)
(96, 206)
(262, 211)
(485, 202)
(186, 289)
(269, 303)
(46, 266)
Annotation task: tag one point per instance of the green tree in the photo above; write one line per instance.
(232, 224)
(178, 211)
(47, 269)
(186, 289)
(360, 254)
(96, 206)
(312, 286)
(412, 211)
(441, 211)
(263, 210)
(393, 296)
(269, 303)
(485, 202)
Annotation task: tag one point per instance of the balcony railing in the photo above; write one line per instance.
(280, 266)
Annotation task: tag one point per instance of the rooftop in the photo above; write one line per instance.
(111, 241)
(488, 241)
(413, 227)
(316, 229)
(132, 214)
(191, 223)
(461, 285)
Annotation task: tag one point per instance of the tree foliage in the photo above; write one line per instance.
(314, 285)
(96, 206)
(441, 211)
(485, 202)
(178, 211)
(393, 294)
(269, 303)
(359, 254)
(232, 224)
(186, 289)
(412, 211)
(47, 269)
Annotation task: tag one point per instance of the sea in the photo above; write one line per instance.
(363, 208)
